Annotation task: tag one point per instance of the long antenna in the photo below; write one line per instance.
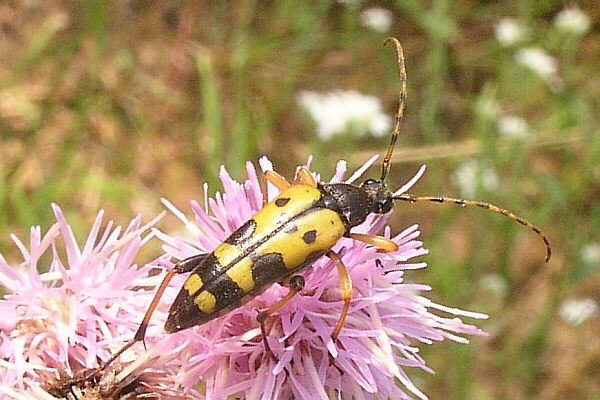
(385, 165)
(481, 204)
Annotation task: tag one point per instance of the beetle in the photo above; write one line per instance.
(293, 230)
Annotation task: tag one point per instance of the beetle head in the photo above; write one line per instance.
(380, 197)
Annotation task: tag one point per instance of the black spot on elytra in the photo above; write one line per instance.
(211, 269)
(282, 201)
(225, 290)
(242, 234)
(310, 236)
(268, 268)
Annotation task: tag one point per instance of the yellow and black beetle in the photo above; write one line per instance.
(287, 235)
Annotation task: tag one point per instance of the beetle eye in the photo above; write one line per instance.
(387, 205)
(383, 206)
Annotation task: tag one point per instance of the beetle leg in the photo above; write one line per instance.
(380, 242)
(305, 176)
(296, 284)
(182, 266)
(277, 180)
(345, 291)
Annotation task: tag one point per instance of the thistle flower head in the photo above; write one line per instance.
(57, 324)
(91, 301)
(387, 320)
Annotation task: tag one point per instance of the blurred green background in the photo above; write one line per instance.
(114, 104)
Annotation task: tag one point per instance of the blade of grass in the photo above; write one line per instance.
(212, 144)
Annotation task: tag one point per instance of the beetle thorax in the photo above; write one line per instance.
(355, 203)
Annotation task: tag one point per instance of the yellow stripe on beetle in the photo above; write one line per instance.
(206, 302)
(192, 284)
(282, 207)
(227, 253)
(312, 233)
(241, 274)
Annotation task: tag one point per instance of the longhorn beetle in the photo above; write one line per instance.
(287, 235)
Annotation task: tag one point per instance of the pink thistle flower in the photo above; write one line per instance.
(58, 323)
(84, 308)
(387, 320)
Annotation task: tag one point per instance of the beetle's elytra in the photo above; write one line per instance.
(288, 234)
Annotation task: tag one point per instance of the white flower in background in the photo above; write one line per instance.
(342, 111)
(513, 127)
(350, 3)
(510, 32)
(378, 19)
(471, 175)
(575, 312)
(572, 21)
(540, 62)
(590, 253)
(495, 284)
(487, 107)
